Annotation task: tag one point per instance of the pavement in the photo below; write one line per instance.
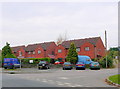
(32, 77)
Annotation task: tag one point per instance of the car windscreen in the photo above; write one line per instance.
(95, 63)
(79, 63)
(42, 62)
(67, 63)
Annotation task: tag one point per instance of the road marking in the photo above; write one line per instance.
(67, 83)
(63, 78)
(60, 84)
(50, 80)
(78, 85)
(44, 81)
(38, 79)
(58, 81)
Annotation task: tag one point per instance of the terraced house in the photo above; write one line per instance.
(92, 47)
(40, 50)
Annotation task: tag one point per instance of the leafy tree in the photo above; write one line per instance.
(114, 49)
(110, 57)
(7, 52)
(72, 55)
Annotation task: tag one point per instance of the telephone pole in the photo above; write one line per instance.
(106, 46)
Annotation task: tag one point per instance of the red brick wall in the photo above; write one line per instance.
(100, 49)
(51, 48)
(20, 50)
(62, 54)
(90, 53)
(41, 55)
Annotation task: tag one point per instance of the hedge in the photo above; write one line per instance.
(35, 60)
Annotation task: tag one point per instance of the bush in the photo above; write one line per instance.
(109, 62)
(35, 60)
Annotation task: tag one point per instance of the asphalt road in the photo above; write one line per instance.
(59, 78)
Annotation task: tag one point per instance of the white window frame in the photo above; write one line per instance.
(20, 53)
(59, 51)
(29, 52)
(87, 48)
(33, 52)
(78, 49)
(39, 51)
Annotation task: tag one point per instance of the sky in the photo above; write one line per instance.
(24, 23)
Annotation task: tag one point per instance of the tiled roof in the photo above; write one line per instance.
(79, 42)
(32, 47)
(15, 49)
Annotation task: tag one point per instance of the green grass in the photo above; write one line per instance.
(115, 78)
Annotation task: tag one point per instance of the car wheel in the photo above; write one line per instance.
(5, 67)
(39, 68)
(98, 68)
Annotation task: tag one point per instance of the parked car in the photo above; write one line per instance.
(67, 65)
(11, 63)
(94, 65)
(58, 62)
(80, 65)
(43, 65)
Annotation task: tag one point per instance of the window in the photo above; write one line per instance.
(39, 51)
(53, 53)
(59, 50)
(29, 52)
(87, 48)
(33, 52)
(77, 49)
(20, 53)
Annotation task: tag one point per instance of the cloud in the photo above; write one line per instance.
(31, 23)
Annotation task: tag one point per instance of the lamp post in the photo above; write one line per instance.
(106, 46)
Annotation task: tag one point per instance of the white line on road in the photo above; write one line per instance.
(67, 83)
(78, 85)
(63, 78)
(60, 84)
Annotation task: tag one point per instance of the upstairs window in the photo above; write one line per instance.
(59, 50)
(33, 52)
(77, 49)
(39, 51)
(20, 53)
(87, 48)
(29, 52)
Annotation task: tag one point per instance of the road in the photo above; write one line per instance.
(59, 78)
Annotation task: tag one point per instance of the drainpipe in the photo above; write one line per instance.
(95, 51)
(44, 53)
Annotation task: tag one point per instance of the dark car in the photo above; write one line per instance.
(43, 65)
(67, 65)
(94, 65)
(80, 65)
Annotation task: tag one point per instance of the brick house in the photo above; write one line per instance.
(19, 51)
(92, 47)
(40, 50)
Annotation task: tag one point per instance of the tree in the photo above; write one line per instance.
(62, 38)
(72, 55)
(7, 52)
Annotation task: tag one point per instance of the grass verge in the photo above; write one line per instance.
(115, 78)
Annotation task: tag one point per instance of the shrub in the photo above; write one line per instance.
(35, 60)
